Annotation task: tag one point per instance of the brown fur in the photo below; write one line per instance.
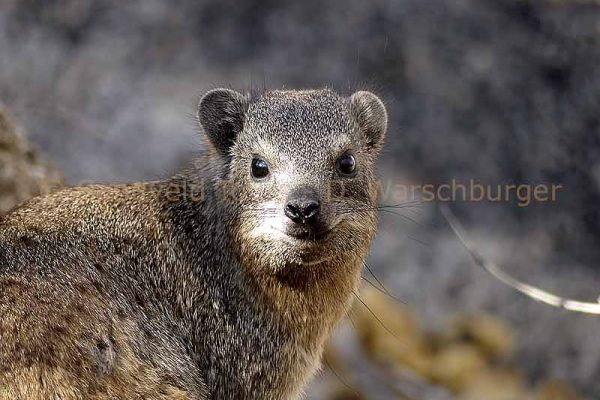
(145, 292)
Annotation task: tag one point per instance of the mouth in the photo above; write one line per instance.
(308, 235)
(297, 235)
(306, 244)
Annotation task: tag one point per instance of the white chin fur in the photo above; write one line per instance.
(268, 230)
(271, 226)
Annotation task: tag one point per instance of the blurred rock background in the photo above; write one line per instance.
(494, 90)
(470, 358)
(23, 172)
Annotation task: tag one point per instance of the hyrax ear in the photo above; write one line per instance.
(372, 118)
(222, 113)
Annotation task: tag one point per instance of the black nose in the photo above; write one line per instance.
(303, 207)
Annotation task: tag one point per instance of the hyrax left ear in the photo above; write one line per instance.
(371, 115)
(222, 113)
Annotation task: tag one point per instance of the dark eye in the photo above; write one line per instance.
(260, 168)
(346, 164)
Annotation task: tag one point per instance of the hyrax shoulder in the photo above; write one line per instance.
(151, 291)
(75, 323)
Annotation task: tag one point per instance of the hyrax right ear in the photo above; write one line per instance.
(371, 115)
(222, 113)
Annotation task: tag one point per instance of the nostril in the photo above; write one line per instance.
(292, 212)
(311, 210)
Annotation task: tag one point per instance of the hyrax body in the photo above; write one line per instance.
(221, 283)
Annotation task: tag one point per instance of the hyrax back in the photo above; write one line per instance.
(222, 282)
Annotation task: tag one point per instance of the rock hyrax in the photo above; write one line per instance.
(222, 282)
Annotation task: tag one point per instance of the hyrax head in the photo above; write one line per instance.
(298, 172)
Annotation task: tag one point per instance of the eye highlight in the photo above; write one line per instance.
(346, 164)
(259, 168)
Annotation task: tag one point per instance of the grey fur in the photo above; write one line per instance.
(183, 288)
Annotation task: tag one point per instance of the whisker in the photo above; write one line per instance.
(421, 242)
(387, 329)
(382, 289)
(406, 204)
(339, 377)
(352, 321)
(373, 275)
(403, 216)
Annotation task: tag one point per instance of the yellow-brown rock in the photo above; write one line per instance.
(388, 333)
(23, 173)
(496, 384)
(491, 335)
(457, 365)
(555, 390)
